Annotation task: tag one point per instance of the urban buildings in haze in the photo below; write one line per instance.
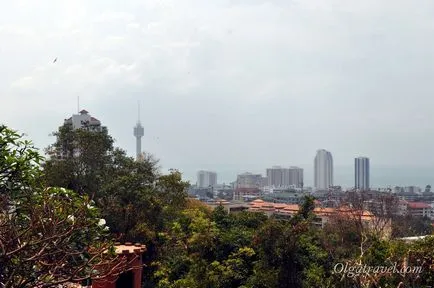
(361, 173)
(83, 120)
(249, 180)
(284, 177)
(138, 133)
(323, 170)
(248, 186)
(206, 179)
(296, 176)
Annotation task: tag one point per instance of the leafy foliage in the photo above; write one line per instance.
(78, 159)
(47, 235)
(19, 164)
(189, 245)
(51, 236)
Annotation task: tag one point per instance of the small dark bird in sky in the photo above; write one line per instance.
(55, 60)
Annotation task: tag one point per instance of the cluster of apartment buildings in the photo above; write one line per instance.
(280, 178)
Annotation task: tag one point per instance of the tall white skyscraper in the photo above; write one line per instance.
(206, 179)
(361, 173)
(323, 170)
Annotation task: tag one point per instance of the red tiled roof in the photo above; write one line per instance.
(257, 201)
(418, 205)
(260, 205)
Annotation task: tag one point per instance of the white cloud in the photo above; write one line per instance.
(25, 82)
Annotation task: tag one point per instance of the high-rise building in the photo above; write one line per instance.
(249, 180)
(361, 173)
(275, 176)
(284, 177)
(84, 121)
(323, 166)
(206, 179)
(138, 133)
(295, 175)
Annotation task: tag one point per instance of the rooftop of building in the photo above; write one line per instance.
(418, 205)
(414, 238)
(129, 248)
(261, 205)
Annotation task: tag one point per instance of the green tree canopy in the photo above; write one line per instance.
(47, 235)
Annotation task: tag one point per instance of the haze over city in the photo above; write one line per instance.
(231, 86)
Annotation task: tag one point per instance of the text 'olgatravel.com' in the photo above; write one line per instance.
(352, 271)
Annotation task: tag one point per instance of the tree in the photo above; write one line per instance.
(134, 198)
(233, 271)
(137, 202)
(290, 252)
(127, 197)
(47, 235)
(78, 159)
(50, 237)
(19, 164)
(408, 225)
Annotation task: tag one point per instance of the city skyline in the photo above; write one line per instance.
(355, 79)
(381, 176)
(381, 179)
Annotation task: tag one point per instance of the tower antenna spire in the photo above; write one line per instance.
(138, 133)
(138, 111)
(78, 104)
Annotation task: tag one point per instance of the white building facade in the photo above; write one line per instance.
(323, 170)
(361, 173)
(83, 120)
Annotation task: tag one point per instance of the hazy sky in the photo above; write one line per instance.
(228, 85)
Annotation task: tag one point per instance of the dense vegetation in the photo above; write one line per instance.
(189, 245)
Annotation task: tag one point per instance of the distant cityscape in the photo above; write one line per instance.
(280, 184)
(285, 185)
(278, 177)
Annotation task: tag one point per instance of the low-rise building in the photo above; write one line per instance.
(243, 194)
(294, 197)
(419, 209)
(402, 208)
(230, 207)
(324, 215)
